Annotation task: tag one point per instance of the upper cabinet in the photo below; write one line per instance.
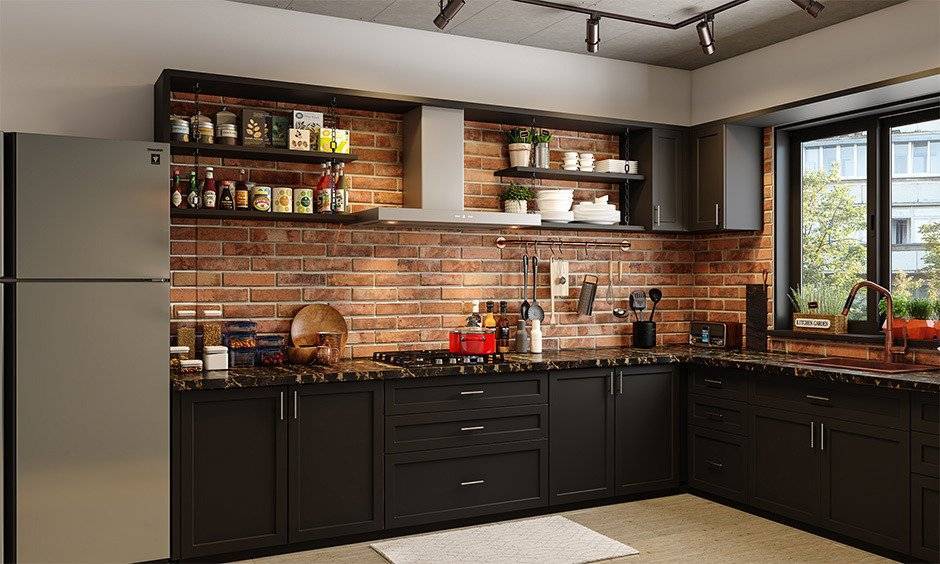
(660, 202)
(726, 171)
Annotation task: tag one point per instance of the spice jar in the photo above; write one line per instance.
(176, 353)
(201, 129)
(282, 199)
(261, 198)
(303, 200)
(179, 129)
(212, 328)
(226, 134)
(186, 332)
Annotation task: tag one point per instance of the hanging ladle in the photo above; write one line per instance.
(618, 312)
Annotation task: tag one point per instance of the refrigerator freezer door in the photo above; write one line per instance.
(91, 208)
(92, 422)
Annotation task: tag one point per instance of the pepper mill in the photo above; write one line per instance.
(522, 338)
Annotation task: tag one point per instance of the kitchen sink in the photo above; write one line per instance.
(868, 365)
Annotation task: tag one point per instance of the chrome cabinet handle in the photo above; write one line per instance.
(816, 398)
(281, 403)
(471, 392)
(472, 483)
(620, 386)
(822, 436)
(658, 214)
(715, 465)
(812, 434)
(713, 383)
(611, 382)
(295, 404)
(714, 416)
(717, 220)
(474, 428)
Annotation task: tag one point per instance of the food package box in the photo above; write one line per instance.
(299, 139)
(279, 127)
(308, 120)
(255, 128)
(342, 140)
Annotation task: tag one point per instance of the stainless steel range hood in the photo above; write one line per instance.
(433, 177)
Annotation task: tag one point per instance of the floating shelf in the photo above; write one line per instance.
(575, 226)
(570, 175)
(257, 153)
(267, 216)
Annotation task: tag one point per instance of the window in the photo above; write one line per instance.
(845, 221)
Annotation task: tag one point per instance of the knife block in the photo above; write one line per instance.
(755, 300)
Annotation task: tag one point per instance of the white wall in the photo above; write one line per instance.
(87, 67)
(893, 42)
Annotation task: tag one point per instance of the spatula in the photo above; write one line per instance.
(637, 302)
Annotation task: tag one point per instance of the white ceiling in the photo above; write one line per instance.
(744, 28)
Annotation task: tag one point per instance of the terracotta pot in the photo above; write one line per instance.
(921, 329)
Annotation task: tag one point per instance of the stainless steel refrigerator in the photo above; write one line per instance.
(85, 300)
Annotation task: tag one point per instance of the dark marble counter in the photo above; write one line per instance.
(367, 369)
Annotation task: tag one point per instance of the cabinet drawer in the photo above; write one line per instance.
(925, 412)
(718, 462)
(862, 404)
(464, 392)
(719, 383)
(440, 485)
(719, 414)
(925, 518)
(925, 454)
(425, 431)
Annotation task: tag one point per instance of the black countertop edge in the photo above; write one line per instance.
(367, 369)
(849, 338)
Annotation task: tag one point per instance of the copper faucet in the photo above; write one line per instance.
(891, 351)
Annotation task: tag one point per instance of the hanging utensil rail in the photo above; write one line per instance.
(502, 243)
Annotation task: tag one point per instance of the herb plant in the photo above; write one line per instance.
(517, 192)
(519, 135)
(920, 308)
(828, 299)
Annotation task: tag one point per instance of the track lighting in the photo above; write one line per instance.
(448, 12)
(706, 35)
(593, 35)
(811, 7)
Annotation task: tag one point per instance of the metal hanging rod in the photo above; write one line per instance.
(610, 15)
(502, 243)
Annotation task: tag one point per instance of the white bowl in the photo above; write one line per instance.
(569, 154)
(557, 194)
(554, 207)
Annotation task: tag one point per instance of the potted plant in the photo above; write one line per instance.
(520, 147)
(516, 197)
(818, 309)
(540, 138)
(901, 314)
(920, 327)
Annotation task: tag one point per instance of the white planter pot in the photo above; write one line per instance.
(515, 206)
(520, 154)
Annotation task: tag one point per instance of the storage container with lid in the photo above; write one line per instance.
(190, 366)
(271, 350)
(186, 332)
(212, 328)
(215, 358)
(175, 356)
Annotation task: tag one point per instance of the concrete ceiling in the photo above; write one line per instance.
(744, 28)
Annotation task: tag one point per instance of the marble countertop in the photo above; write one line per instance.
(367, 369)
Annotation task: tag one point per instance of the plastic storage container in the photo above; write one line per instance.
(241, 339)
(215, 358)
(212, 328)
(186, 332)
(271, 350)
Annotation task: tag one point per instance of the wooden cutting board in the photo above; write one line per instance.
(317, 318)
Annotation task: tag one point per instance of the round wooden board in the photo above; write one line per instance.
(317, 318)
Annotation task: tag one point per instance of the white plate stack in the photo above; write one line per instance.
(571, 161)
(598, 212)
(611, 165)
(555, 205)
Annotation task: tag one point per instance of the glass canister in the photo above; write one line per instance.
(241, 339)
(330, 350)
(201, 129)
(186, 332)
(282, 199)
(261, 198)
(212, 328)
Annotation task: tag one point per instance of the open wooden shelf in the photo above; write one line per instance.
(570, 175)
(267, 216)
(257, 153)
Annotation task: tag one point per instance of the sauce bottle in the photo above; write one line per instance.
(176, 194)
(336, 199)
(241, 192)
(192, 197)
(324, 190)
(227, 196)
(209, 192)
(489, 320)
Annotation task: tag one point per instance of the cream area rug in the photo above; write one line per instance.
(553, 539)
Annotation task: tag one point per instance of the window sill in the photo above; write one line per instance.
(855, 338)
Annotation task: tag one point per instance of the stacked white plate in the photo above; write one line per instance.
(555, 205)
(598, 212)
(611, 165)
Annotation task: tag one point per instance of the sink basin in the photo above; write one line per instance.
(868, 365)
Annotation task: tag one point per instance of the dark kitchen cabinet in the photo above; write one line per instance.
(233, 470)
(660, 200)
(336, 482)
(726, 178)
(718, 463)
(581, 435)
(645, 431)
(925, 518)
(865, 482)
(784, 464)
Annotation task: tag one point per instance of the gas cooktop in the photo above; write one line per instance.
(434, 358)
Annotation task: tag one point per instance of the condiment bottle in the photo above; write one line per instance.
(336, 199)
(227, 196)
(535, 346)
(192, 198)
(176, 194)
(209, 192)
(324, 190)
(473, 320)
(241, 192)
(502, 330)
(489, 320)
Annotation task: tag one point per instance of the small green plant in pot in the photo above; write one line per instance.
(516, 198)
(818, 309)
(520, 147)
(920, 327)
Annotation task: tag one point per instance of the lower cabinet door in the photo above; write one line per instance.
(718, 463)
(581, 431)
(233, 470)
(645, 434)
(454, 483)
(784, 463)
(925, 518)
(865, 482)
(336, 444)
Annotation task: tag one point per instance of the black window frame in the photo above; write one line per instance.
(788, 185)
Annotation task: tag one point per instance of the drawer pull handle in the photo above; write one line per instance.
(713, 383)
(715, 465)
(714, 416)
(472, 483)
(475, 428)
(471, 392)
(816, 398)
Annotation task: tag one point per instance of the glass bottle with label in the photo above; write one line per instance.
(176, 192)
(324, 190)
(209, 192)
(227, 195)
(336, 199)
(241, 192)
(192, 197)
(489, 320)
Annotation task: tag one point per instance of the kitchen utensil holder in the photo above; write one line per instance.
(644, 334)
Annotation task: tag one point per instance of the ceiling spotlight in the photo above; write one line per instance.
(706, 34)
(448, 12)
(811, 7)
(593, 36)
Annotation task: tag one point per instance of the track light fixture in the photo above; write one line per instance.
(448, 12)
(811, 7)
(706, 34)
(593, 35)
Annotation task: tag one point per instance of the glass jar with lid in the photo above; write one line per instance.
(212, 328)
(186, 332)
